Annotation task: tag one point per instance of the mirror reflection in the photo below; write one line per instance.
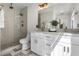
(65, 14)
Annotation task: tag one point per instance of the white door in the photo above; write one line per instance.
(34, 45)
(37, 45)
(40, 47)
(59, 50)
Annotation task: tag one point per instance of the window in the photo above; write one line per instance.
(1, 18)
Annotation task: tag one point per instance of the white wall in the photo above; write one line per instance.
(32, 18)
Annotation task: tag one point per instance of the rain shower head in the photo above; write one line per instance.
(11, 7)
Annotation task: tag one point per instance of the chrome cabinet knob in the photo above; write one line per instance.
(35, 41)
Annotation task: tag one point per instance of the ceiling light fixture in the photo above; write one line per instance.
(43, 5)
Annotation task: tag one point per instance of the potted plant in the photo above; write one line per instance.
(54, 23)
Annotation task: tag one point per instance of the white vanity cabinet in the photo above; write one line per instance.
(67, 46)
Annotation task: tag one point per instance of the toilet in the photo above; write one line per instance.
(25, 42)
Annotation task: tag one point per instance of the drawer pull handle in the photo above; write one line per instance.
(67, 49)
(48, 44)
(48, 36)
(64, 48)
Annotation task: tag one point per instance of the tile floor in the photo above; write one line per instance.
(20, 53)
(16, 51)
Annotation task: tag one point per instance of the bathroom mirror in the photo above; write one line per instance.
(65, 13)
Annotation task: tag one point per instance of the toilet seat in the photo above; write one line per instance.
(25, 42)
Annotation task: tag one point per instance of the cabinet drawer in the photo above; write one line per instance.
(64, 43)
(75, 50)
(50, 36)
(36, 35)
(65, 39)
(75, 40)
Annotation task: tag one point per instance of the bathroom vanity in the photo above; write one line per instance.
(40, 40)
(55, 43)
